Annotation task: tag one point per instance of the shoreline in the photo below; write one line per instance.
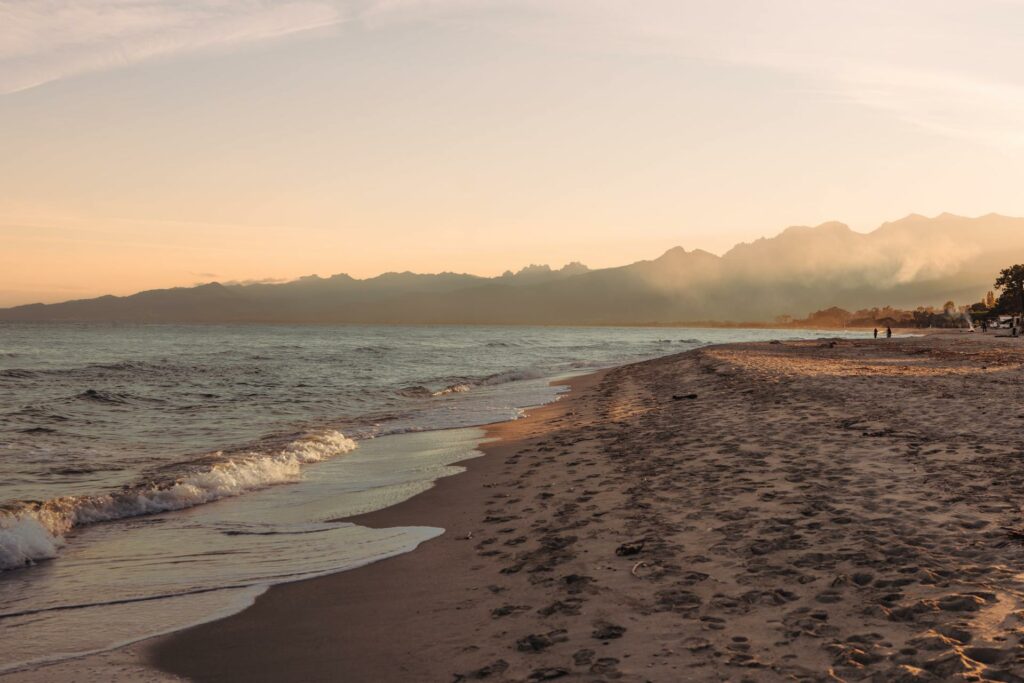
(134, 659)
(813, 510)
(699, 325)
(601, 536)
(368, 592)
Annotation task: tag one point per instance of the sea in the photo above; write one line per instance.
(153, 477)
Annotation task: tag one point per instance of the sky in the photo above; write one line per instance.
(154, 143)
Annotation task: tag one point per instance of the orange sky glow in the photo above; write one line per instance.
(146, 146)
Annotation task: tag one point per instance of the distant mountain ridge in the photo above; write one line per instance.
(905, 263)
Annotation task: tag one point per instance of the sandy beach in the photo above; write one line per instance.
(377, 341)
(821, 510)
(795, 511)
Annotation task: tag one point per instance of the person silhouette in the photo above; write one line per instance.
(876, 333)
(888, 332)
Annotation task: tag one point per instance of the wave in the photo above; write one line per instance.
(18, 373)
(459, 388)
(115, 397)
(103, 396)
(511, 376)
(462, 384)
(39, 412)
(32, 531)
(37, 430)
(374, 350)
(415, 391)
(133, 366)
(134, 370)
(127, 367)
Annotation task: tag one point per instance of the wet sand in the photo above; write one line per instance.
(764, 512)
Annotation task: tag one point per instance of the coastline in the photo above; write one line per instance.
(795, 511)
(801, 510)
(68, 655)
(372, 602)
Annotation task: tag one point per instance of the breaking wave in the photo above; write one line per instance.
(33, 531)
(458, 388)
(462, 385)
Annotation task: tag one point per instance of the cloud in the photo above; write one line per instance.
(945, 66)
(950, 104)
(45, 40)
(258, 281)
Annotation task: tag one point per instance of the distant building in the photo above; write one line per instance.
(990, 299)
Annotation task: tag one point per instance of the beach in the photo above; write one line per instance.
(410, 342)
(814, 510)
(800, 510)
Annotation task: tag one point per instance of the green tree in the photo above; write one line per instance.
(1011, 284)
(980, 308)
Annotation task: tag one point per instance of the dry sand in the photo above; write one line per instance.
(795, 511)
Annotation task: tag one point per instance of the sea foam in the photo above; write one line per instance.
(33, 531)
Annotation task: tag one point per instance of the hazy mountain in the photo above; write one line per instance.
(906, 263)
(534, 274)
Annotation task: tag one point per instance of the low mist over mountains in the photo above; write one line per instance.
(907, 263)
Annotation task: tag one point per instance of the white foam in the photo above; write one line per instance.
(25, 540)
(454, 389)
(34, 532)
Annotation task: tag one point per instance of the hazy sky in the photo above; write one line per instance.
(150, 143)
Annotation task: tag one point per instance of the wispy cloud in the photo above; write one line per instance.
(45, 40)
(947, 66)
(952, 104)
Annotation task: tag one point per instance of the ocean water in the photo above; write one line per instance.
(155, 476)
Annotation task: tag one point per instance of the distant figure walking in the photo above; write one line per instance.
(888, 332)
(984, 327)
(876, 333)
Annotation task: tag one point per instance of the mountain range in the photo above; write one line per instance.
(906, 263)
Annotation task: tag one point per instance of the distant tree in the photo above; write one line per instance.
(831, 317)
(922, 317)
(981, 307)
(1011, 285)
